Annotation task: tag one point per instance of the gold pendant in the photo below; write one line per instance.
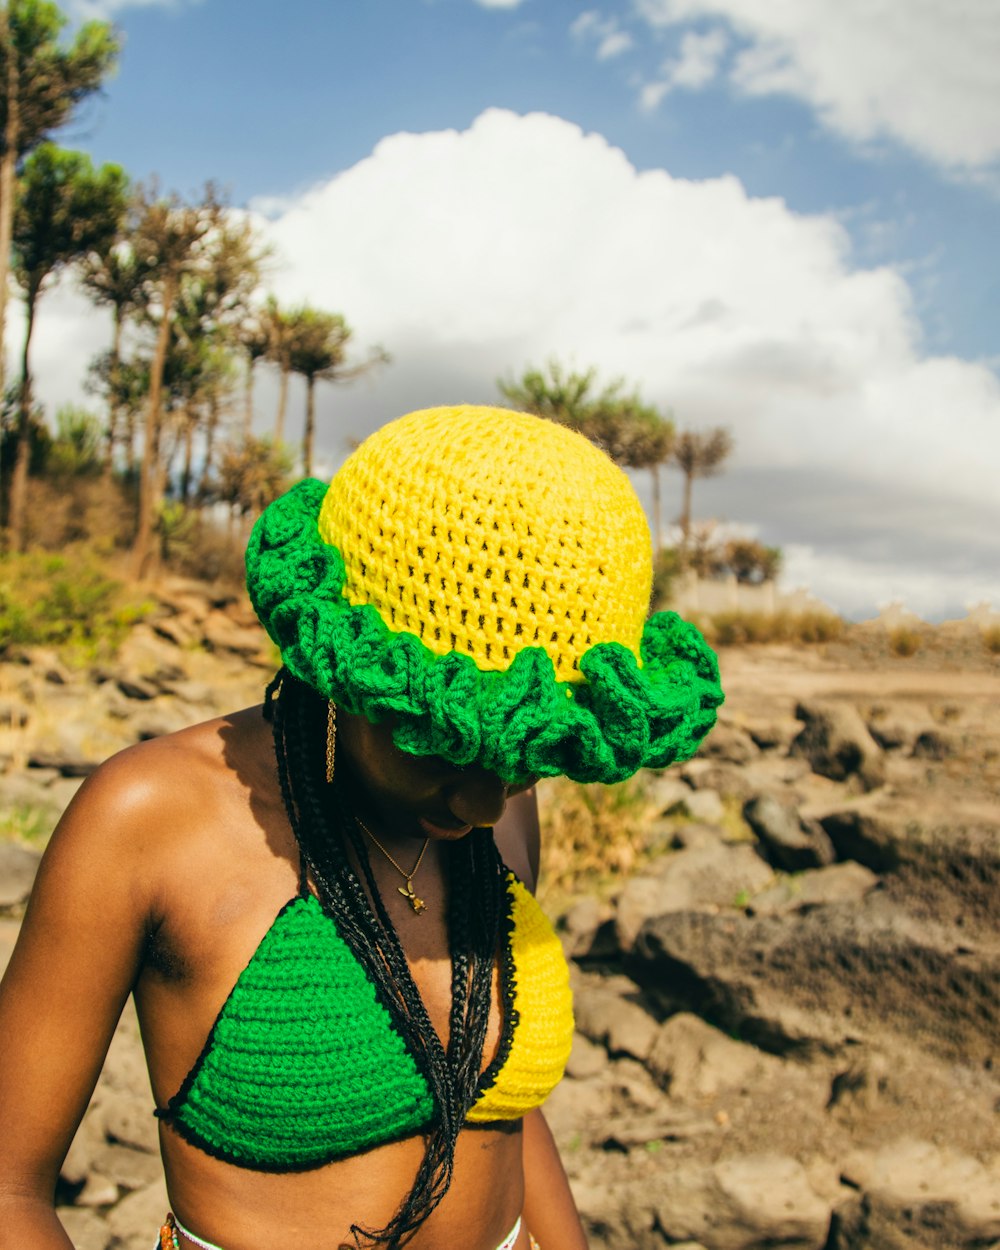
(417, 904)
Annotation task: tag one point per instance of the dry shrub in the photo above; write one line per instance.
(63, 510)
(590, 833)
(204, 548)
(728, 629)
(991, 639)
(904, 641)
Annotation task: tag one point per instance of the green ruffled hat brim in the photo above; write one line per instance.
(520, 722)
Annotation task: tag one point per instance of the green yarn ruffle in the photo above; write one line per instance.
(518, 723)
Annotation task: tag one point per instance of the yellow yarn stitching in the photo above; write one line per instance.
(522, 534)
(542, 998)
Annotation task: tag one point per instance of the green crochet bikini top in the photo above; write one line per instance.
(304, 1065)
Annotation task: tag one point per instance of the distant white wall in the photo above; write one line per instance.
(691, 594)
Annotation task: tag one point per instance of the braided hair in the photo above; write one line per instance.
(326, 830)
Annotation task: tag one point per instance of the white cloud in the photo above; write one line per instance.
(695, 67)
(499, 4)
(699, 59)
(611, 41)
(917, 71)
(470, 255)
(84, 10)
(613, 44)
(859, 587)
(651, 94)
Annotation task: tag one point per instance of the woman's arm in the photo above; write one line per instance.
(549, 1210)
(77, 956)
(517, 836)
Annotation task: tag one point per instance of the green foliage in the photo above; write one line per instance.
(39, 438)
(175, 526)
(750, 561)
(65, 209)
(76, 450)
(49, 599)
(633, 433)
(560, 394)
(52, 77)
(318, 342)
(25, 822)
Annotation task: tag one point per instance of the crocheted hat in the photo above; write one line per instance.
(483, 577)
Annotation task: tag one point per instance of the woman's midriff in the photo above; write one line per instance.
(241, 1209)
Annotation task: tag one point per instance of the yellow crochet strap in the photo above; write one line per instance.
(486, 531)
(544, 1005)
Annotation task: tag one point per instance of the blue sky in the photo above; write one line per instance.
(787, 215)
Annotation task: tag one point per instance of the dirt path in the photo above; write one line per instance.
(752, 674)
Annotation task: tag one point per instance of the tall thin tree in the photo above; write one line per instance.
(698, 455)
(42, 83)
(276, 323)
(253, 339)
(116, 278)
(169, 237)
(66, 209)
(318, 347)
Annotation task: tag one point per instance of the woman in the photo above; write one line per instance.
(351, 1006)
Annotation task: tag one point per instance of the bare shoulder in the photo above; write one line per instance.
(146, 806)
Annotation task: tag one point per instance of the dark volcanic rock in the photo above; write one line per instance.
(789, 843)
(816, 887)
(744, 1204)
(68, 763)
(936, 744)
(837, 744)
(730, 743)
(708, 875)
(913, 1193)
(949, 869)
(622, 1026)
(834, 974)
(866, 837)
(133, 686)
(729, 780)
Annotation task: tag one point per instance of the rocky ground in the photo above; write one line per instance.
(788, 1017)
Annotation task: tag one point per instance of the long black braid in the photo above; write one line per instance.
(324, 827)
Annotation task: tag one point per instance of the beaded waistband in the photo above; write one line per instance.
(172, 1229)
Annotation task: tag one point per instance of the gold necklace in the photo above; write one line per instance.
(416, 903)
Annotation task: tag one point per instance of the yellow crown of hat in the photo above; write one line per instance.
(481, 578)
(485, 531)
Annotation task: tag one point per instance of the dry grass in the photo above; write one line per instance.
(592, 835)
(727, 629)
(904, 641)
(991, 639)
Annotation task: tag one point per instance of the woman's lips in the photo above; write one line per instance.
(443, 831)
